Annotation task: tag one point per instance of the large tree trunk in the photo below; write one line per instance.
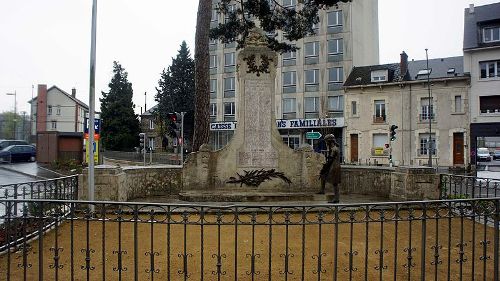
(202, 76)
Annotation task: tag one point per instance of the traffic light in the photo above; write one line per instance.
(174, 124)
(393, 132)
(142, 137)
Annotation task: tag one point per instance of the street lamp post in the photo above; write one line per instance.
(15, 111)
(92, 103)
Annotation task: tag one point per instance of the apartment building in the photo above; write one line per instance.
(54, 109)
(309, 94)
(482, 62)
(432, 118)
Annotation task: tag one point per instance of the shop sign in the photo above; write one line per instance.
(379, 151)
(310, 123)
(223, 126)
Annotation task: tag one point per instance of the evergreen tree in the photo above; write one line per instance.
(272, 16)
(175, 92)
(120, 125)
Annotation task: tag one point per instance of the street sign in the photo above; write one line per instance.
(313, 135)
(96, 152)
(97, 125)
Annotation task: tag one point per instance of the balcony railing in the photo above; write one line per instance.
(379, 119)
(426, 117)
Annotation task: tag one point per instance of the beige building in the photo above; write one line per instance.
(309, 94)
(54, 109)
(482, 61)
(380, 96)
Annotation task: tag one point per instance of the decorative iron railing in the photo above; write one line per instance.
(463, 187)
(431, 240)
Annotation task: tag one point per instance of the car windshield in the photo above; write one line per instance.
(8, 148)
(482, 151)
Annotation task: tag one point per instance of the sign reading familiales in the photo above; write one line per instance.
(288, 124)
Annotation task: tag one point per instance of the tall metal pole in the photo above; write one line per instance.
(182, 138)
(31, 114)
(430, 145)
(92, 103)
(15, 113)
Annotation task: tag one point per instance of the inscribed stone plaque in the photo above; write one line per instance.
(257, 148)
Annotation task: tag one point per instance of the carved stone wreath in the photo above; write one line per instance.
(254, 68)
(256, 177)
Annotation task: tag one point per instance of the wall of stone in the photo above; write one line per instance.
(366, 180)
(114, 183)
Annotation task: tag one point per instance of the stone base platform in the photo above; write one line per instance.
(235, 196)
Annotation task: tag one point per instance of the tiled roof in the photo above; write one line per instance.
(150, 111)
(472, 23)
(439, 69)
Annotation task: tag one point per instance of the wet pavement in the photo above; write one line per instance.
(23, 172)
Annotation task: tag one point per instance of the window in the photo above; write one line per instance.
(354, 108)
(379, 111)
(213, 112)
(58, 110)
(427, 109)
(335, 46)
(229, 59)
(458, 103)
(231, 10)
(151, 124)
(292, 141)
(289, 108)
(54, 125)
(151, 142)
(311, 107)
(379, 75)
(336, 104)
(49, 111)
(289, 58)
(491, 34)
(289, 82)
(213, 61)
(229, 111)
(424, 72)
(229, 87)
(424, 144)
(489, 104)
(311, 49)
(213, 88)
(311, 76)
(214, 16)
(379, 140)
(490, 69)
(335, 75)
(335, 18)
(289, 3)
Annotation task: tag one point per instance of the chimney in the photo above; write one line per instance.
(41, 108)
(471, 9)
(403, 64)
(73, 92)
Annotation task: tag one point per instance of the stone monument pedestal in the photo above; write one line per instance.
(414, 183)
(256, 144)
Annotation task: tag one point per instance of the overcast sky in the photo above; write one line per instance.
(48, 42)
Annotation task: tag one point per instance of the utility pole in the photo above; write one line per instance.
(92, 103)
(430, 147)
(15, 113)
(182, 138)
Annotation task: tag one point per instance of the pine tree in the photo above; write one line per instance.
(175, 92)
(120, 125)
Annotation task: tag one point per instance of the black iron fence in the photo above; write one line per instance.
(463, 187)
(431, 240)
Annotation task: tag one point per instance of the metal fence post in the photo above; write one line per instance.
(496, 271)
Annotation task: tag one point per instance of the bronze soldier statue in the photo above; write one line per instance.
(331, 169)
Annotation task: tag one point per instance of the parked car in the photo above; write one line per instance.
(18, 153)
(483, 154)
(496, 155)
(5, 143)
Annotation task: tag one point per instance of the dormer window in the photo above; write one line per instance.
(379, 76)
(424, 72)
(451, 71)
(491, 34)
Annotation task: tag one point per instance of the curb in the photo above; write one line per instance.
(22, 173)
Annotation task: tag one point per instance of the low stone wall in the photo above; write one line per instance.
(366, 180)
(114, 183)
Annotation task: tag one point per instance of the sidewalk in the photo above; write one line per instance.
(31, 170)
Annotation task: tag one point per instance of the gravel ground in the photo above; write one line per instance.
(348, 236)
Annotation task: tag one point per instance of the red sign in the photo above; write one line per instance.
(96, 136)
